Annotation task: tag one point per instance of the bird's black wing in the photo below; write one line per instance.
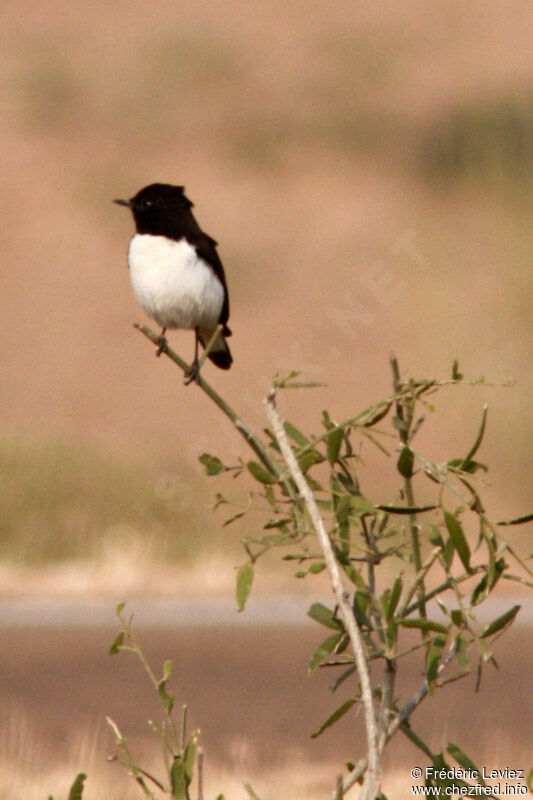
(206, 247)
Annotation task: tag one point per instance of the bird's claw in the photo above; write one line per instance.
(192, 374)
(163, 345)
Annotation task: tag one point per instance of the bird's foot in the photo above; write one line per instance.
(193, 373)
(163, 345)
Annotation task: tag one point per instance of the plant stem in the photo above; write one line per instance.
(372, 783)
(404, 414)
(255, 443)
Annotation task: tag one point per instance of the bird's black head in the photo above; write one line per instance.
(159, 208)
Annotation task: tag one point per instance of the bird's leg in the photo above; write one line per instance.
(193, 373)
(162, 342)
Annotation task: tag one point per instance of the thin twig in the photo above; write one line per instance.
(366, 415)
(371, 786)
(353, 777)
(255, 443)
(404, 414)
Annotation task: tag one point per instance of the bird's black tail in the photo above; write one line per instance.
(220, 353)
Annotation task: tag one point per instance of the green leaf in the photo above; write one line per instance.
(324, 649)
(353, 574)
(273, 441)
(270, 496)
(436, 780)
(405, 462)
(433, 657)
(189, 756)
(212, 464)
(461, 654)
(360, 603)
(359, 505)
(405, 509)
(337, 714)
(241, 513)
(456, 375)
(346, 674)
(423, 624)
(390, 636)
(451, 677)
(349, 483)
(517, 520)
(488, 582)
(394, 598)
(245, 577)
(251, 792)
(167, 698)
(116, 643)
(316, 568)
(529, 780)
(407, 731)
(501, 622)
(473, 450)
(327, 422)
(281, 522)
(434, 537)
(466, 762)
(296, 435)
(518, 579)
(378, 416)
(447, 553)
(334, 442)
(303, 385)
(178, 779)
(470, 466)
(324, 616)
(261, 473)
(458, 538)
(309, 459)
(76, 790)
(458, 618)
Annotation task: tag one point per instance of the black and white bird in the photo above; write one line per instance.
(176, 273)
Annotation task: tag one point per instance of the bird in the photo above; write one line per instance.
(176, 273)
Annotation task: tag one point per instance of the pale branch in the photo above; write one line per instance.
(401, 716)
(372, 782)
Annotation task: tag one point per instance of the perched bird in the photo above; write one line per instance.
(176, 273)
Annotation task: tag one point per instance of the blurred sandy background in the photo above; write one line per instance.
(366, 169)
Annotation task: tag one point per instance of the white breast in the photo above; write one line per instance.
(173, 285)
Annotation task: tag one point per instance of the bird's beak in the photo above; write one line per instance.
(126, 203)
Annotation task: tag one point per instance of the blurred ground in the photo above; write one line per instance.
(248, 692)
